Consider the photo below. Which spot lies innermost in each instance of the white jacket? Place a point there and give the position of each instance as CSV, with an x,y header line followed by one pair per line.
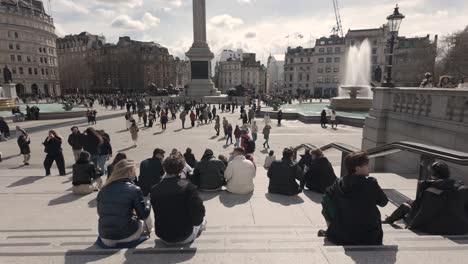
x,y
268,160
239,175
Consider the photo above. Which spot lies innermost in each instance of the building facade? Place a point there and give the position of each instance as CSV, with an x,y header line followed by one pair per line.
x,y
72,51
28,47
299,69
413,57
275,75
231,55
330,58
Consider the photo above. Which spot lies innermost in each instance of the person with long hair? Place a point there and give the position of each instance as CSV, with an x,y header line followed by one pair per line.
x,y
92,140
124,215
120,156
134,133
53,148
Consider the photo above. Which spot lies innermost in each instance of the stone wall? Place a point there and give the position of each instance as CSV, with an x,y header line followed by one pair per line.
x,y
436,117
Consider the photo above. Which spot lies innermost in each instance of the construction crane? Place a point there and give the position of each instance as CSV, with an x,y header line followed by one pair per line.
x,y
338,29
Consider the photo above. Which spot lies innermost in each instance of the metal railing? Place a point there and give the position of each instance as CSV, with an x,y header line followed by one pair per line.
x,y
428,154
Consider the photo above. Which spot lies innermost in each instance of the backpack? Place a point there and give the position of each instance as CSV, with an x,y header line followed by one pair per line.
x,y
250,146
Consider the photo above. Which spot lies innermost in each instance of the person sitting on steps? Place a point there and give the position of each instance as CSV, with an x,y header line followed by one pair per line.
x,y
208,174
284,174
86,178
439,208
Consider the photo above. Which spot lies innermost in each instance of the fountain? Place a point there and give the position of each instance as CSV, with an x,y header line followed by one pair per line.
x,y
355,93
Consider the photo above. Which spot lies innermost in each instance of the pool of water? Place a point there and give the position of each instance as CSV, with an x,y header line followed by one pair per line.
x,y
45,108
314,109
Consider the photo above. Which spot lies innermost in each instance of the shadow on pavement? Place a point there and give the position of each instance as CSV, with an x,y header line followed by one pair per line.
x,y
93,203
284,199
370,254
88,255
125,149
25,181
206,196
159,255
67,198
230,200
313,196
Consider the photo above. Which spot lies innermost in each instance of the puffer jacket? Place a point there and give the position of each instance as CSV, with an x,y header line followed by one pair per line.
x,y
75,141
151,171
209,173
320,175
83,172
115,205
358,220
283,175
239,175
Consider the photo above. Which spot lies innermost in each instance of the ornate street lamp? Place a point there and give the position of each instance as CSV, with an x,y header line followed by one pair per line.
x,y
394,22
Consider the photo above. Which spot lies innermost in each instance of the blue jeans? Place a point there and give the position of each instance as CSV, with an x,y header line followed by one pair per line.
x,y
254,137
101,163
237,142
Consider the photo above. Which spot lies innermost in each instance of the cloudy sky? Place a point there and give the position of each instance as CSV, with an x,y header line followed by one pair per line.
x,y
255,25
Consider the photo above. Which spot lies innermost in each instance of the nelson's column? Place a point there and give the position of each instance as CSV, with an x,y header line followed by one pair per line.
x,y
200,56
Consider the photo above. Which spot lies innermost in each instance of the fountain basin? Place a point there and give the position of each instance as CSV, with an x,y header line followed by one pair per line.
x,y
349,104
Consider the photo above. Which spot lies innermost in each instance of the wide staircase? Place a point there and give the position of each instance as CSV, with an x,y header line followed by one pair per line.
x,y
42,222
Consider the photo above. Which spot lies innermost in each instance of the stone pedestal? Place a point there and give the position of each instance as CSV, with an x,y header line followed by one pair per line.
x,y
7,96
200,56
10,90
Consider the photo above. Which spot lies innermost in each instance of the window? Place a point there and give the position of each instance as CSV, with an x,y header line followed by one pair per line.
x,y
41,59
16,34
337,59
320,79
374,42
308,77
12,58
307,85
329,49
47,73
18,57
30,70
336,69
42,71
329,60
328,69
374,51
320,60
11,46
321,50
300,77
28,59
322,42
21,70
9,34
290,77
302,59
308,67
327,80
291,60
18,46
308,59
374,59
13,70
337,49
291,69
336,79
320,70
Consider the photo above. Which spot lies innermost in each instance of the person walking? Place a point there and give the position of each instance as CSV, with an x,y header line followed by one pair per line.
x,y
53,148
23,143
266,136
164,120
92,140
217,125
323,119
254,131
145,118
182,116
279,117
228,133
225,124
333,119
251,115
193,118
75,140
105,152
134,133
237,135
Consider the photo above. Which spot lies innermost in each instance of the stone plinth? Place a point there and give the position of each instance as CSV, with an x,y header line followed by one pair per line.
x,y
437,117
7,96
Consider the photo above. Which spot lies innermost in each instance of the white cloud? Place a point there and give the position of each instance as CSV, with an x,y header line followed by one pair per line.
x,y
245,1
250,34
126,22
69,5
225,21
129,3
107,13
176,3
150,20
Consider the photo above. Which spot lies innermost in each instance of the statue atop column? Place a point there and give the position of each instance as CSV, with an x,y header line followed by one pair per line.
x,y
7,76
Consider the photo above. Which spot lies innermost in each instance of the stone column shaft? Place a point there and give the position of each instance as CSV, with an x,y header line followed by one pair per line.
x,y
199,21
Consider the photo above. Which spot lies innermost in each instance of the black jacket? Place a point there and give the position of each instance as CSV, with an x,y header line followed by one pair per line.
x,y
190,159
440,209
76,141
357,220
53,146
151,171
91,144
105,148
83,172
4,128
320,175
116,204
177,209
283,175
209,173
24,146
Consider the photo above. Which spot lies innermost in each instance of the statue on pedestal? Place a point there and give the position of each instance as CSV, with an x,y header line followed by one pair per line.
x,y
7,77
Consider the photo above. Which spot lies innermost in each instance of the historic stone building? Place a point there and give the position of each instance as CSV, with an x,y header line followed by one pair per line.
x,y
28,48
299,69
275,75
412,58
72,51
329,57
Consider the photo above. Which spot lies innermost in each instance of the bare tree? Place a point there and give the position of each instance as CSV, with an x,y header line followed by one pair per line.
x,y
453,55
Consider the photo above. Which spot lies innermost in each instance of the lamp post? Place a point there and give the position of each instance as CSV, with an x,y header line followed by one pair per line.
x,y
394,22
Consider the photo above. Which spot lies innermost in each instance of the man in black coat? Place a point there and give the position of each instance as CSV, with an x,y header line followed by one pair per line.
x,y
178,209
209,172
355,218
4,128
319,172
283,175
151,171
75,140
439,208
